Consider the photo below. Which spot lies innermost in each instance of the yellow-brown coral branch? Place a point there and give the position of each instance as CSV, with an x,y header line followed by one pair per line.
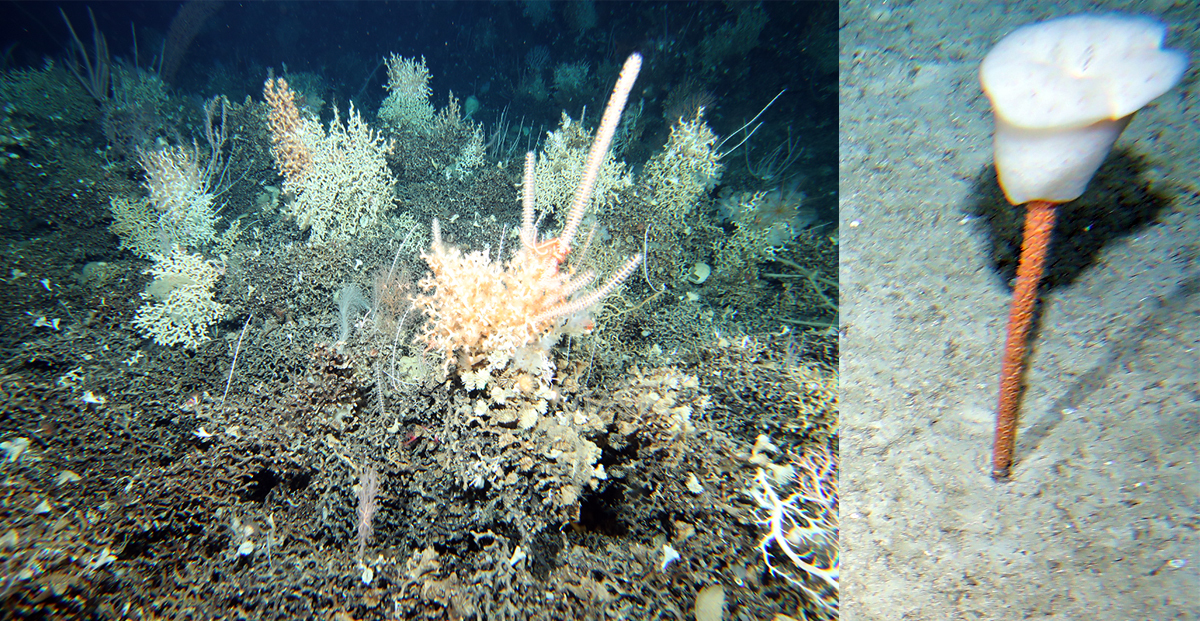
x,y
291,155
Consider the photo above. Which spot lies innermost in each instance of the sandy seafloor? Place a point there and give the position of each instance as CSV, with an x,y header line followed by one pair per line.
x,y
1100,518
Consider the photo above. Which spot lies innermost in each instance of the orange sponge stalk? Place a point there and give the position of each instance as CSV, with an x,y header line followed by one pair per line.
x,y
1039,222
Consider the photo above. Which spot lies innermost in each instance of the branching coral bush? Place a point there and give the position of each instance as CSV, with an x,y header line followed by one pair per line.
x,y
135,223
407,106
338,179
561,165
181,187
180,308
687,168
183,183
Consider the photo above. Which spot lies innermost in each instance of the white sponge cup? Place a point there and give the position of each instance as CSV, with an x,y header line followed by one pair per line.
x,y
1063,90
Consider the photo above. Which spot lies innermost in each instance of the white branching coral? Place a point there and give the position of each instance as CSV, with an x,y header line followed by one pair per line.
x,y
408,107
482,308
180,208
798,511
687,168
349,184
339,180
471,157
135,223
180,308
183,183
561,165
180,187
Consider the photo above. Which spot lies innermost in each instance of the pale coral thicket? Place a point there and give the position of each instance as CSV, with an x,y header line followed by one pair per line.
x,y
337,180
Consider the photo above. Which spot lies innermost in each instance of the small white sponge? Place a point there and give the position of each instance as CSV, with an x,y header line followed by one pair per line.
x,y
1063,90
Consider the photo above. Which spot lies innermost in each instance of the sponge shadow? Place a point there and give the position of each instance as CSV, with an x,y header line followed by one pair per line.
x,y
1119,201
